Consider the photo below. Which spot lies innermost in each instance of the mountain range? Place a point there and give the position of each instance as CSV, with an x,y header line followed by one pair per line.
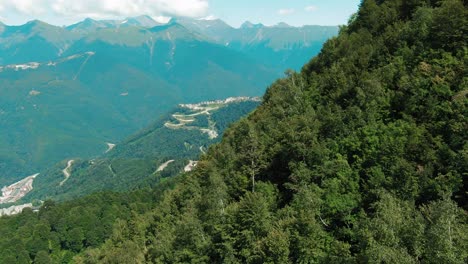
x,y
67,91
54,41
361,157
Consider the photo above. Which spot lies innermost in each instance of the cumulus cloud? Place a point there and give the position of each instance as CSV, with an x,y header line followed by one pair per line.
x,y
286,11
106,8
23,6
311,8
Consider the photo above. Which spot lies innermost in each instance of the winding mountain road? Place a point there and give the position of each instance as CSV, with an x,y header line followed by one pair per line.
x,y
66,172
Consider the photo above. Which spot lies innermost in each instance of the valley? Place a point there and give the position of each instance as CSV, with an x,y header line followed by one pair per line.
x,y
170,146
101,81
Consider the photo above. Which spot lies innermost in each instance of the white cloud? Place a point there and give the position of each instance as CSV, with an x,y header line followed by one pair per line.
x,y
105,8
311,8
286,11
23,6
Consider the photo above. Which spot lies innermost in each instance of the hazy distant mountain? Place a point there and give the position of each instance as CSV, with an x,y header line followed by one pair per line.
x,y
142,21
66,91
33,41
278,37
217,30
89,25
283,25
250,25
281,46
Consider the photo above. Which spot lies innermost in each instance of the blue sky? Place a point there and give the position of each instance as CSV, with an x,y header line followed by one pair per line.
x,y
234,12
294,12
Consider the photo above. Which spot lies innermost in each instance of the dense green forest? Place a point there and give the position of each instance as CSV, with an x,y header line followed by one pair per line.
x,y
362,157
66,229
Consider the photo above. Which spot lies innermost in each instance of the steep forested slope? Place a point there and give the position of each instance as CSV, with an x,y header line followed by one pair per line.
x,y
361,157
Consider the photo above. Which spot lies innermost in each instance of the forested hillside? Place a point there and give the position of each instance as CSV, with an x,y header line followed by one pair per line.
x,y
137,161
362,157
